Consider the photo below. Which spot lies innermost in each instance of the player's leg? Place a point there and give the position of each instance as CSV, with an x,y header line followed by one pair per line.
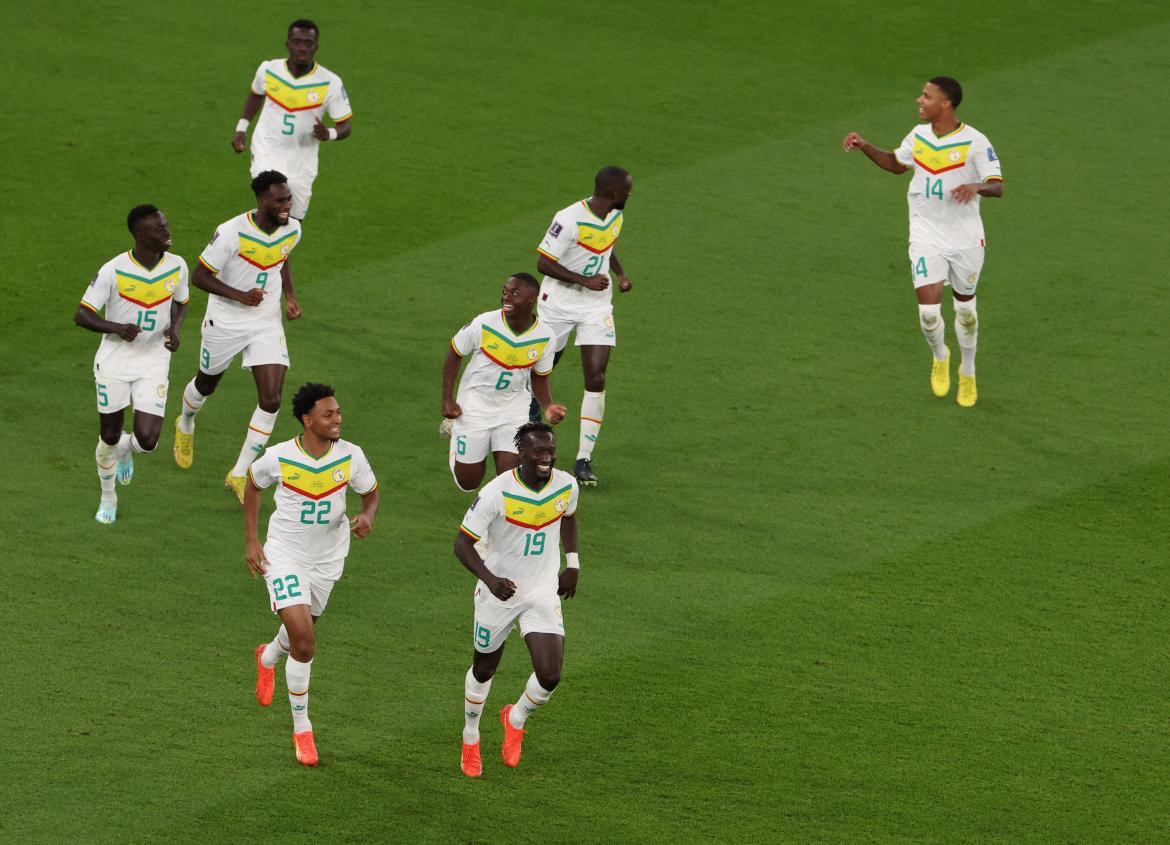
x,y
504,446
594,360
291,594
493,620
966,267
929,272
543,628
217,349
468,455
112,399
560,328
269,380
149,396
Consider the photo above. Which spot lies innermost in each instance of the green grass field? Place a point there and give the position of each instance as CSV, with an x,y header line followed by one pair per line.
x,y
817,604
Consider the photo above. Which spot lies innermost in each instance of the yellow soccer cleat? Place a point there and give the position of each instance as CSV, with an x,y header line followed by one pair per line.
x,y
967,392
184,447
235,483
940,376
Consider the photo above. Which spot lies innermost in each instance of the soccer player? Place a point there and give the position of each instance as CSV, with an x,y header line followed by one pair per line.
x,y
575,295
524,515
508,349
144,293
954,165
294,92
238,268
308,539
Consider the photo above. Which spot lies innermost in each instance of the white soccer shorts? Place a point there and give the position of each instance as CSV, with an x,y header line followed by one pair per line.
x,y
148,395
292,582
260,344
537,613
958,268
595,328
470,442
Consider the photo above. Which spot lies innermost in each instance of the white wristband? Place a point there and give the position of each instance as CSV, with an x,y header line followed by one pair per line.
x,y
242,126
572,561
332,133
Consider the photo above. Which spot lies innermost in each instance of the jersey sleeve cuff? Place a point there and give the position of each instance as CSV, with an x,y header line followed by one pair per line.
x,y
343,119
85,304
539,373
252,479
371,490
993,179
208,266
455,348
548,255
469,533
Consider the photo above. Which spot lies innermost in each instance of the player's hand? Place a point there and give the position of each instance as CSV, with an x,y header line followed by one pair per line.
x,y
624,283
501,588
291,309
965,193
555,413
319,130
251,297
128,331
238,141
853,141
254,555
360,527
598,282
172,339
567,584
451,410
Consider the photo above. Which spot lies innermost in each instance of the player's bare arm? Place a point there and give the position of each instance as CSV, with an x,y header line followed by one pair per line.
x,y
203,279
555,270
542,390
362,524
291,309
251,106
321,131
178,315
502,588
966,193
451,409
89,320
885,159
567,580
624,283
253,549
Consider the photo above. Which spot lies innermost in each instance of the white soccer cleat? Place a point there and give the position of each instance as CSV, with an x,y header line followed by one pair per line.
x,y
107,513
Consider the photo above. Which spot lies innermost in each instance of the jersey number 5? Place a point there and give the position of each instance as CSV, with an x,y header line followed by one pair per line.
x,y
290,125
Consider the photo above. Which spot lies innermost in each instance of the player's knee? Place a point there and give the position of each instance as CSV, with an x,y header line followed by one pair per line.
x,y
548,678
965,313
147,441
483,673
929,316
269,402
595,382
303,645
205,384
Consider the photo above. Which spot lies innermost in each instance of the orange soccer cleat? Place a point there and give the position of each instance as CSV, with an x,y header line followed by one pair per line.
x,y
306,748
472,765
513,739
265,678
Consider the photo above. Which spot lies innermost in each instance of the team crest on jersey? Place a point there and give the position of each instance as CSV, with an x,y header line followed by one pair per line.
x,y
170,285
313,97
339,475
162,391
560,505
532,353
955,155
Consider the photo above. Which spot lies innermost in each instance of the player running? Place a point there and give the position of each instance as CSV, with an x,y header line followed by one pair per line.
x,y
575,257
524,515
294,92
239,268
144,293
954,165
308,539
508,349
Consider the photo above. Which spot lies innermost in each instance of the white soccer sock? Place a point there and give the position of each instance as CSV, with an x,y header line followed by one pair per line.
x,y
296,678
192,401
933,329
137,447
259,429
967,331
123,446
535,696
474,695
107,460
592,413
276,649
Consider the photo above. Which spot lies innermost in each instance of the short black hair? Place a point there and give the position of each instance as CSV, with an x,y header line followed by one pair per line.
x,y
527,278
266,180
531,428
609,179
308,396
950,88
304,23
139,212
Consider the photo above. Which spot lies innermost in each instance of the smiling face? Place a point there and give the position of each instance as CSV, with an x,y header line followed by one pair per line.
x,y
324,419
518,298
275,203
152,234
538,454
932,103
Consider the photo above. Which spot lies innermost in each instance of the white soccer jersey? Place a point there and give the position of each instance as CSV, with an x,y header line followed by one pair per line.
x,y
940,165
495,386
522,527
131,293
292,105
244,256
579,241
309,523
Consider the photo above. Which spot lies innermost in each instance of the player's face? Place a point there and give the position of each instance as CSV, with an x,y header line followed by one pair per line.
x,y
623,193
538,452
518,298
324,420
931,102
302,46
153,233
276,203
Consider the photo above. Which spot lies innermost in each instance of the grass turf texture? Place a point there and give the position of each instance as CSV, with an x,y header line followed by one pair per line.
x,y
817,604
